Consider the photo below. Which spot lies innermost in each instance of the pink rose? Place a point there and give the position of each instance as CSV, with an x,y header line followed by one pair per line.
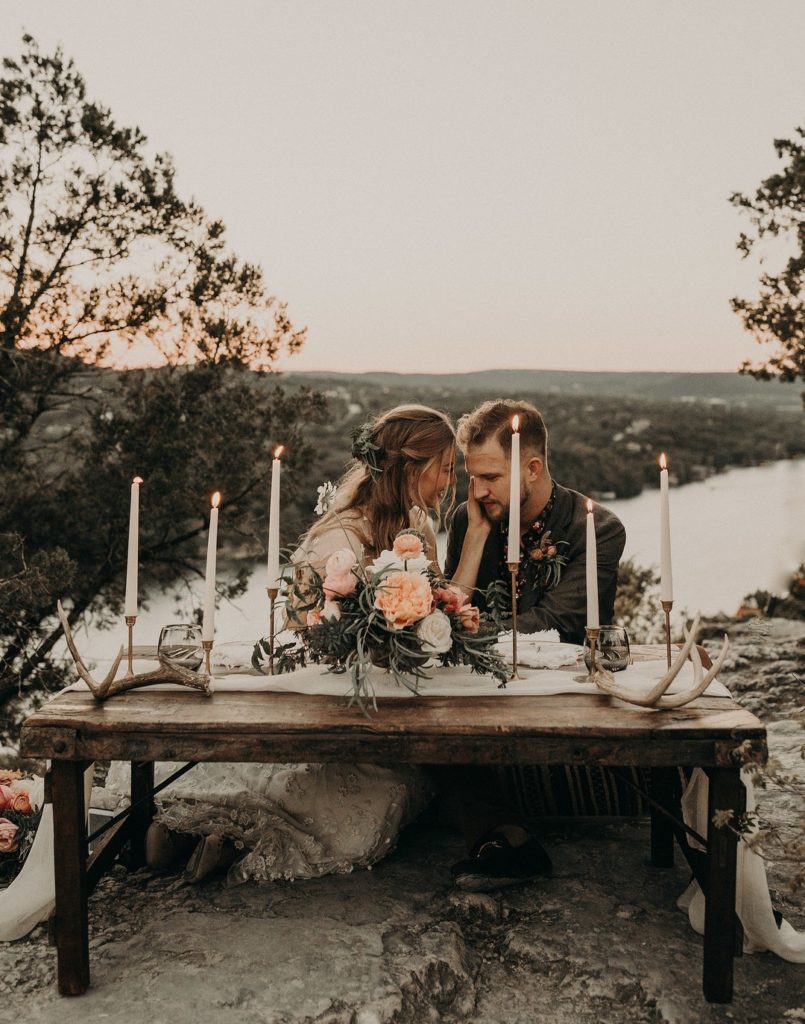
x,y
404,598
6,797
407,545
470,618
8,836
452,597
340,563
339,584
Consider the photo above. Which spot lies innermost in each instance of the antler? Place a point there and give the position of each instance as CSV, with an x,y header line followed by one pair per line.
x,y
109,686
656,696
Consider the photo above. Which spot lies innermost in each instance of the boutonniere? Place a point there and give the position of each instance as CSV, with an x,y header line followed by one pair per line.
x,y
545,562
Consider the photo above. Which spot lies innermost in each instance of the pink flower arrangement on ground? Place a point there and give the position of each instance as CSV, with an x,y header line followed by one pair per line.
x,y
19,818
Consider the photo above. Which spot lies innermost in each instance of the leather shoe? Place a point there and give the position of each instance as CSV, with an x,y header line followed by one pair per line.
x,y
494,863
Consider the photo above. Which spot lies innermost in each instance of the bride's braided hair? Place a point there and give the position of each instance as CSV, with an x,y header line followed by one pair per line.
x,y
391,453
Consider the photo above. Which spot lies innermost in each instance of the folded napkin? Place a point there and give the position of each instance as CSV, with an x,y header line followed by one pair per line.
x,y
539,650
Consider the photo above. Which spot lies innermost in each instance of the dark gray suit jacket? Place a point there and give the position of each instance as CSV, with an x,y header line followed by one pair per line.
x,y
565,607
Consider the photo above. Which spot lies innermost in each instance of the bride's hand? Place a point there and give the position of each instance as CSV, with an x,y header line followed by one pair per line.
x,y
420,520
477,520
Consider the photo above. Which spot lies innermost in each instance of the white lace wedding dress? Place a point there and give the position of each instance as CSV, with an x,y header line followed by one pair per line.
x,y
299,820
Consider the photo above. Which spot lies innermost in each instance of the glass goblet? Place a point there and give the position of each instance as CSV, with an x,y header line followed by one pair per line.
x,y
612,649
180,644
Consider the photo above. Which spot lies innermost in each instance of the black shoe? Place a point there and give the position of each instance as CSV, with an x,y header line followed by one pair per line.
x,y
494,863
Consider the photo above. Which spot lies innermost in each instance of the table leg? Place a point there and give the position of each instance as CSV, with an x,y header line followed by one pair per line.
x,y
726,792
663,790
70,853
142,810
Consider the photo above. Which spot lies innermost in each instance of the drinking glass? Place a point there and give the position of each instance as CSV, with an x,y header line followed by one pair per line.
x,y
612,649
181,645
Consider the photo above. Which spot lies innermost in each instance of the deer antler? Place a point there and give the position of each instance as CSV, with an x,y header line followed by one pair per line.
x,y
109,686
656,696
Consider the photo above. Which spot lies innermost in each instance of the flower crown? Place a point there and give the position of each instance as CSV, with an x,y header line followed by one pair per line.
x,y
365,450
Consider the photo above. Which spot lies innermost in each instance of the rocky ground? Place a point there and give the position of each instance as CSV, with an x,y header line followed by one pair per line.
x,y
602,941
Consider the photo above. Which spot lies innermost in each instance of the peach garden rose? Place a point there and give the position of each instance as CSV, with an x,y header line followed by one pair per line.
x,y
404,598
6,797
407,545
21,802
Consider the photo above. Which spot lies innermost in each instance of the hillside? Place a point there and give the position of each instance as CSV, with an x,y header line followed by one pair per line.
x,y
714,388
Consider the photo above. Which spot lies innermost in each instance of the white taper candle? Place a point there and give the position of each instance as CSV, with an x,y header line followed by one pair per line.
x,y
208,625
130,606
666,574
592,570
272,575
514,495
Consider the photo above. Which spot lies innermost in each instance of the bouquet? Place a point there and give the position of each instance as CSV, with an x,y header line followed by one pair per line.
x,y
19,818
396,613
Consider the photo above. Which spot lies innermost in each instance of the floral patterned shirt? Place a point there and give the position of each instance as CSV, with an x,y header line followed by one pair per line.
x,y
527,574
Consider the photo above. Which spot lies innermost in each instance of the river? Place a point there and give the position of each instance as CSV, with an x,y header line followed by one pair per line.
x,y
732,534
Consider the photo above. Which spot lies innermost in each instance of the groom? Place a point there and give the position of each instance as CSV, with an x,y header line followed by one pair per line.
x,y
551,594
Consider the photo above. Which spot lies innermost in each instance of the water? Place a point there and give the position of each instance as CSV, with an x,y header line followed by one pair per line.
x,y
732,534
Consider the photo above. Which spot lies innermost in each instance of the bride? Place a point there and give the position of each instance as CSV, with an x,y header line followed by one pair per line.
x,y
300,821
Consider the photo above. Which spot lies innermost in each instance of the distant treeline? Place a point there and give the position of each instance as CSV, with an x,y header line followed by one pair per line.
x,y
603,446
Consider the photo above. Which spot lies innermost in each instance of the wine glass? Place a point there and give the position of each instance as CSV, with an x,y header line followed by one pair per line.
x,y
612,648
180,644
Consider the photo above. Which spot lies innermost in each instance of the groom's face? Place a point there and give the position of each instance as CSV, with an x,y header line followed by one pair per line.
x,y
489,464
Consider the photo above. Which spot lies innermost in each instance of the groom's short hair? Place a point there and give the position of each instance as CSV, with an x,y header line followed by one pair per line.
x,y
493,419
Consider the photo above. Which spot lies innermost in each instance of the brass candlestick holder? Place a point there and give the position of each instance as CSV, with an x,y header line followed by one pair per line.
x,y
592,635
272,600
513,569
130,620
207,648
666,607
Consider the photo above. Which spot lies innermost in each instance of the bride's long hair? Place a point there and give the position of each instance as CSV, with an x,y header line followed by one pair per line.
x,y
384,484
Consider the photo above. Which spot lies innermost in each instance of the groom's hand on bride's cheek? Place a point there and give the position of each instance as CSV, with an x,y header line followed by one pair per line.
x,y
476,513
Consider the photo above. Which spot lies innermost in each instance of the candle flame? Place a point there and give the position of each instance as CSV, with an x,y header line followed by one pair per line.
x,y
516,424
663,461
137,480
589,504
278,451
216,499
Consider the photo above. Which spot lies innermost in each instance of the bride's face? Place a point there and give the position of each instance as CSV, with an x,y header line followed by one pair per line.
x,y
437,478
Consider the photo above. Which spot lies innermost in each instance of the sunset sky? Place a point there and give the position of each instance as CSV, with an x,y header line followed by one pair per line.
x,y
439,186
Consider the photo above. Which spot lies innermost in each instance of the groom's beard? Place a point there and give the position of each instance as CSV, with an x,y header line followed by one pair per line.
x,y
498,513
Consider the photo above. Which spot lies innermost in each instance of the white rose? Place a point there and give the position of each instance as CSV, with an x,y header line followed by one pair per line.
x,y
340,562
331,611
435,633
388,561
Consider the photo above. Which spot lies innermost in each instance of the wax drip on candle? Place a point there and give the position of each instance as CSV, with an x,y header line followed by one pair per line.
x,y
273,564
513,547
208,621
666,572
591,568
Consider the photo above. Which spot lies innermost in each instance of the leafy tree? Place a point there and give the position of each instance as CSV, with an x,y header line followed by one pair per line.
x,y
101,260
777,316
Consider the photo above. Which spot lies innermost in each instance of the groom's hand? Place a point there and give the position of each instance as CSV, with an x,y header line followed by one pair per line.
x,y
477,520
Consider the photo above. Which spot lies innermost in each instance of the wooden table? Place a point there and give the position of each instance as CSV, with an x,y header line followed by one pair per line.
x,y
147,726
